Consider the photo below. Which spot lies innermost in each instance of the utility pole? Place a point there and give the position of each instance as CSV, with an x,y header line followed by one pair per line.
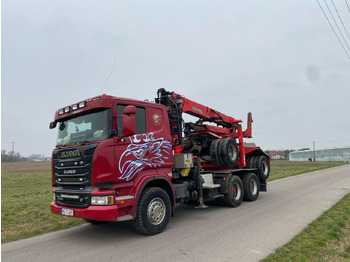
x,y
314,152
13,149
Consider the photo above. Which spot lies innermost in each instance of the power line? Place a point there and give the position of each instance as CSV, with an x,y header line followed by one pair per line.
x,y
347,5
341,20
340,140
336,24
334,30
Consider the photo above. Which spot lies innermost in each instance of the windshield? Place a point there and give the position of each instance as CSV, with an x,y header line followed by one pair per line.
x,y
82,129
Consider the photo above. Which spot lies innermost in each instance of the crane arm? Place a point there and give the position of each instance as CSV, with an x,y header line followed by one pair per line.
x,y
204,113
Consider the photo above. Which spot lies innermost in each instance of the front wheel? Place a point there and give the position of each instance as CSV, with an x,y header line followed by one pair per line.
x,y
235,192
153,213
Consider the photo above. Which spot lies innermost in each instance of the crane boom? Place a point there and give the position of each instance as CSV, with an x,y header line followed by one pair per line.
x,y
205,113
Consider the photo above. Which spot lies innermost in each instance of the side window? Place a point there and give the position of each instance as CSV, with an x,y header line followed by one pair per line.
x,y
140,119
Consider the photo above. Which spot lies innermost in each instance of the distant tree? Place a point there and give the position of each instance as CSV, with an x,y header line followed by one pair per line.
x,y
286,153
11,156
36,157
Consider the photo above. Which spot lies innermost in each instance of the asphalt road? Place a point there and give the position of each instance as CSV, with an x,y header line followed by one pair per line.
x,y
247,233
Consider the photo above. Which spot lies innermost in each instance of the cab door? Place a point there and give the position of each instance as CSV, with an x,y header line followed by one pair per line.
x,y
149,149
128,152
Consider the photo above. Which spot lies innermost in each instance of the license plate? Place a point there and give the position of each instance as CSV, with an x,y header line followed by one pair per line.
x,y
67,212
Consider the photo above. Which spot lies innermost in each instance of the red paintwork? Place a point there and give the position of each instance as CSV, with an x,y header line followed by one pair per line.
x,y
100,213
146,177
103,162
102,101
192,108
248,132
52,177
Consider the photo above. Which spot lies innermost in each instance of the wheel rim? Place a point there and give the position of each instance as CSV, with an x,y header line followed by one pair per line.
x,y
232,152
236,191
253,187
156,211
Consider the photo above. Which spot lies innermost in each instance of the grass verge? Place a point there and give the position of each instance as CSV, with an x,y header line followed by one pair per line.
x,y
325,239
25,202
283,168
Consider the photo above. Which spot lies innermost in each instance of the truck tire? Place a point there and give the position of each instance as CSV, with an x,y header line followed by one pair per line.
x,y
250,162
153,213
235,192
214,152
229,153
263,167
251,186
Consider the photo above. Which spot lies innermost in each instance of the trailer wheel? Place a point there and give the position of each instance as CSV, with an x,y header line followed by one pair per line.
x,y
214,152
250,162
153,211
229,152
263,167
251,187
235,192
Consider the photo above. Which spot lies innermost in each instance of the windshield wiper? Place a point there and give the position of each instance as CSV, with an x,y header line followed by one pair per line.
x,y
81,142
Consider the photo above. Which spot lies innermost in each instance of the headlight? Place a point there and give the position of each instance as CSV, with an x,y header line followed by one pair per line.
x,y
102,200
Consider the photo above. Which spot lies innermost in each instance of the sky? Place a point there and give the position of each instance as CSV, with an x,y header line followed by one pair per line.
x,y
279,60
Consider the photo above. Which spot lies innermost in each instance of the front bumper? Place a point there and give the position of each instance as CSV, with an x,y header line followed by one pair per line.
x,y
99,213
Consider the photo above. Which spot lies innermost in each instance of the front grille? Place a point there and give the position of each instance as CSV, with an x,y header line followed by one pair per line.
x,y
73,197
73,166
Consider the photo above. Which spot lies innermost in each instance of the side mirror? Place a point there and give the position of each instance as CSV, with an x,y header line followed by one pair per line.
x,y
130,110
128,121
53,125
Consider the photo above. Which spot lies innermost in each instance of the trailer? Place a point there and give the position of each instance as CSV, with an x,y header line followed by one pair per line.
x,y
119,159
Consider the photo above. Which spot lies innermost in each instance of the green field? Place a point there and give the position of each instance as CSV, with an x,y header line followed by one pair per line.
x,y
25,202
27,193
283,168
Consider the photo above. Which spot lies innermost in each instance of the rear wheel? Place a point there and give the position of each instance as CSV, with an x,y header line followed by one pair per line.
x,y
250,162
263,167
251,187
234,196
153,213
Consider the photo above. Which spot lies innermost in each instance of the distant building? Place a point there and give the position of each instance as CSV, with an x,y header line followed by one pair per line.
x,y
276,155
337,154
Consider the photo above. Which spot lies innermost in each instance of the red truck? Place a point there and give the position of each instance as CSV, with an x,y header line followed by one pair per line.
x,y
119,159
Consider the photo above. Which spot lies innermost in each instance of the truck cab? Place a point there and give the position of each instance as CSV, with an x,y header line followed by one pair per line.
x,y
102,146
